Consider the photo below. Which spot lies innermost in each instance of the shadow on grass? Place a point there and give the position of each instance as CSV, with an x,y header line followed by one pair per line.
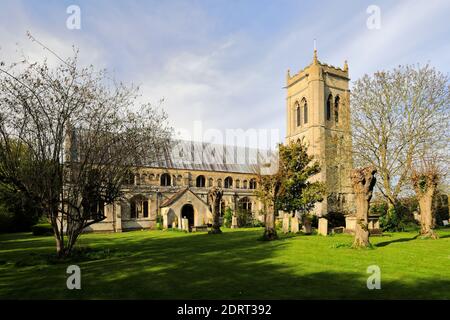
x,y
383,244
233,265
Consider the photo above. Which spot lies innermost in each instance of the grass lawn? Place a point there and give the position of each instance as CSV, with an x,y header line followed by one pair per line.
x,y
234,265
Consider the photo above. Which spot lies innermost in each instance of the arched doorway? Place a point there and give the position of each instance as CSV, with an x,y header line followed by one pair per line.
x,y
188,212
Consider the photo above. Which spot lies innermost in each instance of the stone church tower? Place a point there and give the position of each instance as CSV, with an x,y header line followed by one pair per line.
x,y
318,112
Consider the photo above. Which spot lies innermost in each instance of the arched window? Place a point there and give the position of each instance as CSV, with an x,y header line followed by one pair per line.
x,y
305,111
245,184
336,109
165,180
200,183
210,182
145,208
238,184
228,183
219,183
297,112
252,184
329,102
138,207
245,204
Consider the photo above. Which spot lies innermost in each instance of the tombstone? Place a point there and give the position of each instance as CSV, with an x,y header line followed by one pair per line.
x,y
175,224
323,226
286,223
234,223
445,223
307,227
185,224
350,223
295,224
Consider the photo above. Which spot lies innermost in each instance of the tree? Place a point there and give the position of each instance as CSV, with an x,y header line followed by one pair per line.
x,y
298,190
291,188
363,182
215,199
425,181
268,192
84,134
17,211
398,117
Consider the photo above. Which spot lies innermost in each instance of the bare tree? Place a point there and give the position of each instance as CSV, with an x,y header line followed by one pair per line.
x,y
425,181
398,116
363,181
214,199
83,134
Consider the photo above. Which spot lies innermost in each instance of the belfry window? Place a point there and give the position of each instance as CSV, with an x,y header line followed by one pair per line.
x,y
297,112
329,102
305,111
336,109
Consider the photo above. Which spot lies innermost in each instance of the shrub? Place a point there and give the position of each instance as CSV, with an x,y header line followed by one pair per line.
x,y
397,219
257,223
244,218
43,229
441,209
227,217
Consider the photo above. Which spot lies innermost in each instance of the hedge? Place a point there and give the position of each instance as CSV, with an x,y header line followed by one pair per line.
x,y
43,229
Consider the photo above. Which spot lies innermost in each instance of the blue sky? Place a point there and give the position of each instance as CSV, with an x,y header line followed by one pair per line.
x,y
225,62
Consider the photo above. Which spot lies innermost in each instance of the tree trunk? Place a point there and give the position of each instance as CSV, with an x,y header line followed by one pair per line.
x,y
362,223
215,199
363,181
425,182
426,215
270,232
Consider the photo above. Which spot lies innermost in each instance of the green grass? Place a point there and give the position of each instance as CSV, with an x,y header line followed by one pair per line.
x,y
233,265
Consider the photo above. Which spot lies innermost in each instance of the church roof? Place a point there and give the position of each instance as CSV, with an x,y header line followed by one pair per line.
x,y
204,156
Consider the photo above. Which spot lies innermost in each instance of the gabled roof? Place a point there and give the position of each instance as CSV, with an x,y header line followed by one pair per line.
x,y
177,196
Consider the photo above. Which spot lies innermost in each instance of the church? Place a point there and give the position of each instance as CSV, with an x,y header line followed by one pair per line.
x,y
317,112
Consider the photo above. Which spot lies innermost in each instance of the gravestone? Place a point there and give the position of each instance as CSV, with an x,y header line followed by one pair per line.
x,y
350,223
185,224
286,223
307,227
234,223
323,226
295,224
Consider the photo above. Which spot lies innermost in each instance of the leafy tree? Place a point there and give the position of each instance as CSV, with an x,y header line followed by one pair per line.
x,y
292,187
298,192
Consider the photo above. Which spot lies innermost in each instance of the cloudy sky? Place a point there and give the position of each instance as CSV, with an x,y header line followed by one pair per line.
x,y
224,62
